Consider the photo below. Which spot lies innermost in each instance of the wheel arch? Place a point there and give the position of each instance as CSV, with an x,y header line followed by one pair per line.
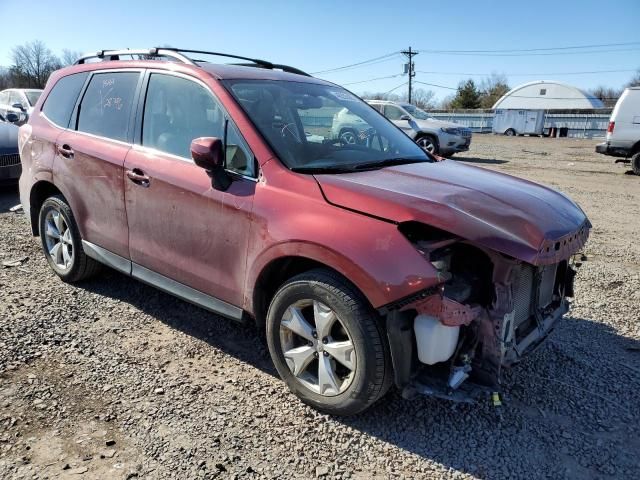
x,y
40,191
272,271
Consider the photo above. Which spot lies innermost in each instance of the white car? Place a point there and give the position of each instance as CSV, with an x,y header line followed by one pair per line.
x,y
19,101
435,136
623,134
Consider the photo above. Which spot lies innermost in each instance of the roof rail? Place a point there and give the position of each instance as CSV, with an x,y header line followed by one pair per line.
x,y
177,53
255,62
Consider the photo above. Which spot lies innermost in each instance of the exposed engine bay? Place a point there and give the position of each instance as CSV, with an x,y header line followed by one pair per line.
x,y
488,311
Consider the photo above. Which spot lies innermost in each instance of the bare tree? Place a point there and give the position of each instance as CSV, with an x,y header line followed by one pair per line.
x,y
445,103
607,95
69,57
422,98
33,62
635,80
5,78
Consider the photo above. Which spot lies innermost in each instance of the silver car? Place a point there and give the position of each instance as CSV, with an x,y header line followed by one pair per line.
x,y
435,136
19,101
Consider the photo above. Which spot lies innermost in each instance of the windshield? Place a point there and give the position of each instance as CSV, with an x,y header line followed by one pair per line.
x,y
417,112
314,127
33,96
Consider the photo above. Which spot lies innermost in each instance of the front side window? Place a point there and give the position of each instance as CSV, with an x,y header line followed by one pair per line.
x,y
105,109
176,111
237,156
393,112
316,127
59,104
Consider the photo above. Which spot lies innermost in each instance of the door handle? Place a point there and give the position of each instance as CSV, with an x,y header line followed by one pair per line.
x,y
65,150
138,177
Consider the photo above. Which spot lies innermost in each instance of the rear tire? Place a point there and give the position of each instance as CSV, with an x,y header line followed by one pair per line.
x,y
510,132
61,241
635,163
337,357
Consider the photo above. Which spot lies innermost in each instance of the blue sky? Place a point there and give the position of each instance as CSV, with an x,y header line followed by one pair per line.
x,y
321,35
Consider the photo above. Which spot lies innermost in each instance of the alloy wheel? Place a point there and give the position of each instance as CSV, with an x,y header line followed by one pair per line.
x,y
58,240
427,144
317,347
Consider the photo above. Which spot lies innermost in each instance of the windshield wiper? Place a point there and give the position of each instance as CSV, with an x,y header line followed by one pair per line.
x,y
331,169
389,162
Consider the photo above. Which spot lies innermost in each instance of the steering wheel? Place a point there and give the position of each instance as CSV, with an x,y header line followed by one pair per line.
x,y
289,129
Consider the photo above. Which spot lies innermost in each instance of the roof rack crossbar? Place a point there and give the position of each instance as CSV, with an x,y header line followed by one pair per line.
x,y
178,54
151,52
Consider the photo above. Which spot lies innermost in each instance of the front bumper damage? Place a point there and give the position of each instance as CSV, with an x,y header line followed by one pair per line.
x,y
526,303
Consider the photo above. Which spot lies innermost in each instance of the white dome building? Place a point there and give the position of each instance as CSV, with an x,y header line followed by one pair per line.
x,y
547,95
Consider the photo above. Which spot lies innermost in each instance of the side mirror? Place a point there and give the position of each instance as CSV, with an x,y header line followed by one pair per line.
x,y
207,153
19,106
13,117
405,117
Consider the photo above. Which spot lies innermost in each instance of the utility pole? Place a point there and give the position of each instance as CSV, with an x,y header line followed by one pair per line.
x,y
410,67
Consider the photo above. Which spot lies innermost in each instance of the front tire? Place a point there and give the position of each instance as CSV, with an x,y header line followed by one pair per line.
x,y
328,344
510,132
61,241
428,143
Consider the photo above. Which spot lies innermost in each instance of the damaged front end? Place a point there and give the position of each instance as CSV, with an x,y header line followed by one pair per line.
x,y
487,311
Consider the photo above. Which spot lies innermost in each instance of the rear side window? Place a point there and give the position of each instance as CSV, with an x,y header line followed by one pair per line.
x,y
176,111
105,109
62,98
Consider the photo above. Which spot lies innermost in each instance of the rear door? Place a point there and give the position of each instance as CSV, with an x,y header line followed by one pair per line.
x,y
90,157
180,228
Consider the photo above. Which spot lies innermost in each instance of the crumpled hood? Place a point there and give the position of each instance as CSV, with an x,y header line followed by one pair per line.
x,y
8,138
522,219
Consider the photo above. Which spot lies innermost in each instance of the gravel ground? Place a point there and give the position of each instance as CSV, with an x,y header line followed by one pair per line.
x,y
113,379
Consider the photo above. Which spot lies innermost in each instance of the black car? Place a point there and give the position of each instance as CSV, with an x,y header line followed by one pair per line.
x,y
10,166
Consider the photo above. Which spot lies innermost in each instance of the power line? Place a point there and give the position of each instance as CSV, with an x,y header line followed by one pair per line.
x,y
523,54
518,50
364,62
395,88
527,74
436,85
372,79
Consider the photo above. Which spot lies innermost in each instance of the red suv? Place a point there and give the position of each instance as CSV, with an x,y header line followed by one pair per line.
x,y
366,263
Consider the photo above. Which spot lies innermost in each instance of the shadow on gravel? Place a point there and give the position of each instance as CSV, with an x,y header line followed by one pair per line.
x,y
9,197
569,408
486,161
241,341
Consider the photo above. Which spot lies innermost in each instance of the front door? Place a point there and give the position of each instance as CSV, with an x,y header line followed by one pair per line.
x,y
179,226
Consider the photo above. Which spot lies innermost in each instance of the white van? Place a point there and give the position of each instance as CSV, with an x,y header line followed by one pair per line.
x,y
623,134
